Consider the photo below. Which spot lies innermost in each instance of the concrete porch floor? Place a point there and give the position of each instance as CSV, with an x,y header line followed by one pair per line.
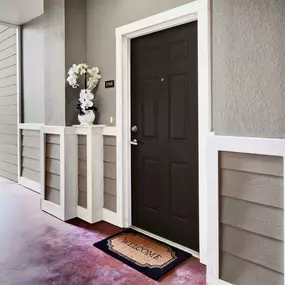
x,y
38,249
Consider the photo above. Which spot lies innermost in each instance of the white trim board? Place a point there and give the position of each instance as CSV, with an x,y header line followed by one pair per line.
x,y
30,184
35,186
215,144
198,10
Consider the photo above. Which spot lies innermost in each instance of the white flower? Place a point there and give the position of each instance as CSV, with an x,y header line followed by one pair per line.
x,y
72,81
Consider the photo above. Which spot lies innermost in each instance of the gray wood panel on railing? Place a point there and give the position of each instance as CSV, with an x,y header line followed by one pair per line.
x,y
52,168
31,155
109,157
82,171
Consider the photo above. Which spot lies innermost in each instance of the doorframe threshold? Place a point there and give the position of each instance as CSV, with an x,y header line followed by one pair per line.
x,y
171,243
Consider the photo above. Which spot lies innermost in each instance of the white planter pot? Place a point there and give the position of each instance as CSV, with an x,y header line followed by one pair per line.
x,y
87,119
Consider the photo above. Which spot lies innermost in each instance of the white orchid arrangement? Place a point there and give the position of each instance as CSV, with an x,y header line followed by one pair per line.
x,y
91,80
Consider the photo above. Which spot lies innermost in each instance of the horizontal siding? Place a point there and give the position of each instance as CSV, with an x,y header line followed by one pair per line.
x,y
82,171
31,155
82,153
82,199
252,247
110,202
7,34
12,60
52,166
31,174
31,133
8,71
109,141
8,91
31,152
8,104
30,167
10,139
8,175
251,219
8,157
110,154
109,157
11,41
264,164
53,139
52,195
110,186
8,120
52,151
110,170
257,188
31,164
237,271
82,183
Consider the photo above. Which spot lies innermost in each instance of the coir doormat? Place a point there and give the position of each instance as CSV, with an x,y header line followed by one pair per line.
x,y
147,255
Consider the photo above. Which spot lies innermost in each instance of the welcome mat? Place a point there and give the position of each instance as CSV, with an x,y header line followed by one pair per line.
x,y
147,255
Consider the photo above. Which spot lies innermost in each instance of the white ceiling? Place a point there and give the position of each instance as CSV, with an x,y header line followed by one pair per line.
x,y
18,12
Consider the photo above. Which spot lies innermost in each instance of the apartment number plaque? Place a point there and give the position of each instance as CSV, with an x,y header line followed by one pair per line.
x,y
110,84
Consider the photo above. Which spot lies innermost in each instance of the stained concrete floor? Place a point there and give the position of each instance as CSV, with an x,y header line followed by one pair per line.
x,y
38,249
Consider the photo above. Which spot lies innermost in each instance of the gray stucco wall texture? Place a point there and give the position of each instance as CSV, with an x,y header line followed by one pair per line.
x,y
248,62
249,67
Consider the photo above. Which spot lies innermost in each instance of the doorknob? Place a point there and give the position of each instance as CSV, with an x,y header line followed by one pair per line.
x,y
134,142
134,129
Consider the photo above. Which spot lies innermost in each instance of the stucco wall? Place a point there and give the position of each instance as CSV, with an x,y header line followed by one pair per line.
x,y
51,44
103,17
249,67
33,71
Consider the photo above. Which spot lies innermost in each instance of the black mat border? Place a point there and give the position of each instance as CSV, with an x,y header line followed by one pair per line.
x,y
153,273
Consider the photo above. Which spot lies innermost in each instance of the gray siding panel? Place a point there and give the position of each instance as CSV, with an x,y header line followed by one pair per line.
x,y
109,157
255,248
82,199
82,171
267,221
52,195
110,154
251,219
110,202
257,188
31,155
110,186
8,91
31,174
12,60
238,271
8,104
110,170
31,133
264,164
52,163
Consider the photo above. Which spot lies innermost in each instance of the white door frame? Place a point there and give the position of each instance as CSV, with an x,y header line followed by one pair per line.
x,y
198,10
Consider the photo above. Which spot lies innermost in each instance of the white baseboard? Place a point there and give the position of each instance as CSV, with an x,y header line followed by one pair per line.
x,y
164,240
111,217
35,186
83,214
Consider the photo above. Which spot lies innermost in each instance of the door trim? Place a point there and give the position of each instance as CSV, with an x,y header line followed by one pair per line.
x,y
195,11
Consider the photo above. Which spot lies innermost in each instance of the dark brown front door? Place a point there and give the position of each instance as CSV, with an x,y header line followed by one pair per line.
x,y
165,111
